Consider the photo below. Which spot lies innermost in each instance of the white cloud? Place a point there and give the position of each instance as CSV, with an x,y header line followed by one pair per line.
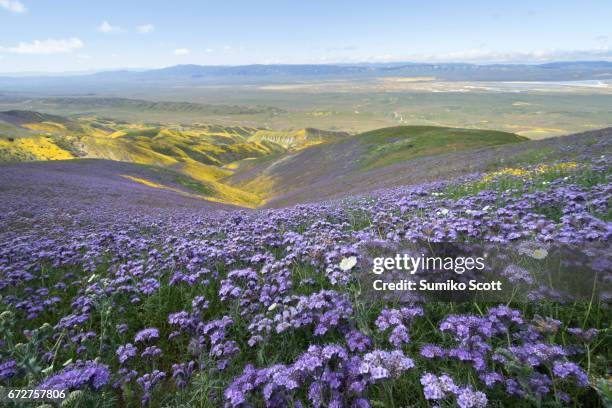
x,y
145,28
535,56
181,51
13,5
45,47
209,50
106,28
484,56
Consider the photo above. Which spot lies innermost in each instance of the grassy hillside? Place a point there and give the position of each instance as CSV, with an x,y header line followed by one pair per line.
x,y
177,144
26,117
383,147
360,154
237,165
100,104
194,154
139,110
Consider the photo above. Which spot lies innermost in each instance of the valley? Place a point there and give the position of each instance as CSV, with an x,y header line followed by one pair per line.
x,y
234,165
537,101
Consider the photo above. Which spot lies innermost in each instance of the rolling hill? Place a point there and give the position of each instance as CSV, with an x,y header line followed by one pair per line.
x,y
107,187
156,188
100,105
440,167
252,167
203,154
360,154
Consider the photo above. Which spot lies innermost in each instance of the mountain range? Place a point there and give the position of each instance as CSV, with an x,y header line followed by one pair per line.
x,y
556,71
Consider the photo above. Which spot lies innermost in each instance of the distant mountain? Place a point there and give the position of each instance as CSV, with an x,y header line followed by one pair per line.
x,y
190,74
577,65
200,71
447,71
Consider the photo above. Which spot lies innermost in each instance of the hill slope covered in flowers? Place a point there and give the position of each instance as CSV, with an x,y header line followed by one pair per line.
x,y
126,302
235,165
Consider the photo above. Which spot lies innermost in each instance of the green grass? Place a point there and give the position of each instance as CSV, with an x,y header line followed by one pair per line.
x,y
195,186
147,133
583,175
387,146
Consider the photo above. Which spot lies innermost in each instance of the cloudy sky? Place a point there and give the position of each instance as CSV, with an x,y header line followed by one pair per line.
x,y
77,35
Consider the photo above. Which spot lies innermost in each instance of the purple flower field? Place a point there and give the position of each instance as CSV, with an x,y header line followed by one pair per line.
x,y
128,302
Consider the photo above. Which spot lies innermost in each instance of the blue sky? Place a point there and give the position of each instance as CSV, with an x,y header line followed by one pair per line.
x,y
54,36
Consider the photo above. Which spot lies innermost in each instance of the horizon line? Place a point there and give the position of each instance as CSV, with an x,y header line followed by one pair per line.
x,y
144,69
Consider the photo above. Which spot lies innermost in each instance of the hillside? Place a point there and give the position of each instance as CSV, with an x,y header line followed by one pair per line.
x,y
87,178
203,153
305,176
449,165
101,105
359,155
100,137
105,187
298,139
24,117
252,167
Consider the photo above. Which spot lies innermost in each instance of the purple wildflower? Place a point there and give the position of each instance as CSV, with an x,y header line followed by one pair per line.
x,y
126,352
357,341
77,376
146,335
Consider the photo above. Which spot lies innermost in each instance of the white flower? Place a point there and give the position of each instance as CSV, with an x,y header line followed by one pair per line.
x,y
486,208
348,263
443,211
272,307
540,253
